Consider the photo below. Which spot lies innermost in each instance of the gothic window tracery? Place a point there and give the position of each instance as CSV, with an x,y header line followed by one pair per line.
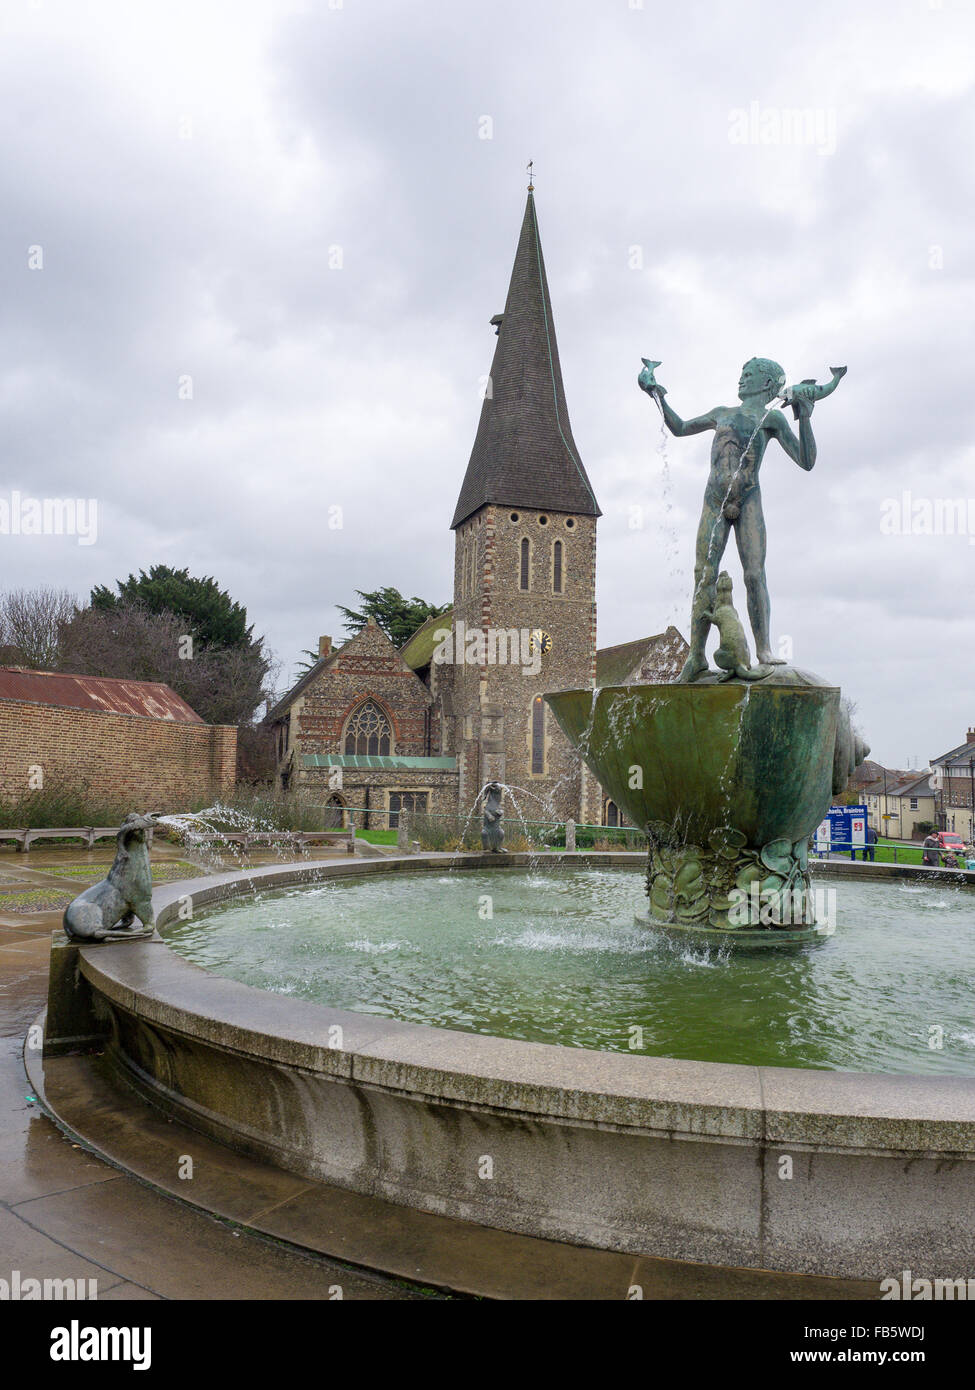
x,y
367,731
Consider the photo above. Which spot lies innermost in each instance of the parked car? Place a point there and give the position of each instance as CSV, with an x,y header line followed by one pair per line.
x,y
954,848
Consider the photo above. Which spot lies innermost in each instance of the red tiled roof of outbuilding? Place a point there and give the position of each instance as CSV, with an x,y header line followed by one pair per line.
x,y
151,699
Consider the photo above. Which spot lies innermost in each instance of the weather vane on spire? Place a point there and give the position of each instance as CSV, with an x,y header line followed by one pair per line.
x,y
531,176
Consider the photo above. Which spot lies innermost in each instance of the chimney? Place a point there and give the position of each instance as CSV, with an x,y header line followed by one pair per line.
x,y
970,738
324,646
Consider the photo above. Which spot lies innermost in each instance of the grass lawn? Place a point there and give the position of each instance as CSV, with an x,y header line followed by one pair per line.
x,y
892,852
906,854
377,837
163,872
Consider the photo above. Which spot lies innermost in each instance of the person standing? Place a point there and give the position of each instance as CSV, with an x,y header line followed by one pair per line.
x,y
869,849
931,857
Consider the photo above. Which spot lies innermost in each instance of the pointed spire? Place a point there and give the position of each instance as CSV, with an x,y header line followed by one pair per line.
x,y
524,454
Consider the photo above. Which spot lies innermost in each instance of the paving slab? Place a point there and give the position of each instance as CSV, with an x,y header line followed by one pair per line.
x,y
153,1241
27,1248
135,1242
125,1292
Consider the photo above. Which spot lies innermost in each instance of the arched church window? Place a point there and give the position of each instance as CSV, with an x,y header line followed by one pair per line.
x,y
538,735
612,813
524,577
367,731
557,567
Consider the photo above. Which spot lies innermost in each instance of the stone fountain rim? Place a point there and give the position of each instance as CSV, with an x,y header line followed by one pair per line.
x,y
831,1111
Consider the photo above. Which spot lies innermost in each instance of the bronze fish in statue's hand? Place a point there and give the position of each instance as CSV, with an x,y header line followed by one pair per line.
x,y
646,380
810,391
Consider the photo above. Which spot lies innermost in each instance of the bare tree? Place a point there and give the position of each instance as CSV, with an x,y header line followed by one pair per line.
x,y
31,621
225,685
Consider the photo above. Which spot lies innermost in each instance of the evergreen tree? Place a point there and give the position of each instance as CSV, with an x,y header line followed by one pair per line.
x,y
211,615
398,617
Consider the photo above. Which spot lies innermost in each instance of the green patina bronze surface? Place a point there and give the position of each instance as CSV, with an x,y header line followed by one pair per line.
x,y
732,495
686,759
729,780
728,772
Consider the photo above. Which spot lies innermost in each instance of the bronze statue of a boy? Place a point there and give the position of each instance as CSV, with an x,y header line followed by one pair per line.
x,y
732,497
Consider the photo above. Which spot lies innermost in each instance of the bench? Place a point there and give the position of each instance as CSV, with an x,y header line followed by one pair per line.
x,y
89,833
330,837
246,838
25,837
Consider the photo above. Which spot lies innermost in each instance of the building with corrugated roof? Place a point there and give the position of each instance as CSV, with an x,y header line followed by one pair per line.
x,y
132,741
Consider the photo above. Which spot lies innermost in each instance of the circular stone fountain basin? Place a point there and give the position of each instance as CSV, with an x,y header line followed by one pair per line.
x,y
624,1151
554,955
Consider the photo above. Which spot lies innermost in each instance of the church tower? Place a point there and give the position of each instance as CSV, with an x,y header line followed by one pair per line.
x,y
524,565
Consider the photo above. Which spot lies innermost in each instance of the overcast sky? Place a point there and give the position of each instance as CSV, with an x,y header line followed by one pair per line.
x,y
310,211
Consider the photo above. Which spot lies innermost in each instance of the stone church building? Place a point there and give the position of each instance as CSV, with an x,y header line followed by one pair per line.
x,y
423,728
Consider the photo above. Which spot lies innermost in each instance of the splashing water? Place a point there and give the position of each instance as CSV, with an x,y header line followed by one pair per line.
x,y
203,833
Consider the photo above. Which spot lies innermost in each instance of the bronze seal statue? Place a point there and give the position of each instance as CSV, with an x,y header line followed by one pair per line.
x,y
107,910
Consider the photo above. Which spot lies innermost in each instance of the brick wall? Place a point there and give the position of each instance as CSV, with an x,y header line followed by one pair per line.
x,y
156,764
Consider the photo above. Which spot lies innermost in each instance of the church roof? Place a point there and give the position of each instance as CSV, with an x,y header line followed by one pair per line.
x,y
370,630
524,454
650,660
418,650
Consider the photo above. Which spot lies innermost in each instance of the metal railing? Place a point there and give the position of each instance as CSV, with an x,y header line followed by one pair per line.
x,y
879,852
549,832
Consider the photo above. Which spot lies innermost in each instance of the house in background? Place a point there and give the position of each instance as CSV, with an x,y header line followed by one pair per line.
x,y
954,779
897,806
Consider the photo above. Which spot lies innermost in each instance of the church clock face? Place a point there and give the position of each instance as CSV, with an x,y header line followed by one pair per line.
x,y
541,640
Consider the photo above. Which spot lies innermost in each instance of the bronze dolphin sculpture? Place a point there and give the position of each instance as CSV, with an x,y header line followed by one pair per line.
x,y
810,390
646,379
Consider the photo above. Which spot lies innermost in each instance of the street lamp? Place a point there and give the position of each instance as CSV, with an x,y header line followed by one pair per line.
x,y
971,818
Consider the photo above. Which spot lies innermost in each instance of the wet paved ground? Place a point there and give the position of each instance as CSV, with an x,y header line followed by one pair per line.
x,y
67,1215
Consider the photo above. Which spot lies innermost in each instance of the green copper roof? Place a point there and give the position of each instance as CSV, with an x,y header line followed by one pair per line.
x,y
418,651
377,764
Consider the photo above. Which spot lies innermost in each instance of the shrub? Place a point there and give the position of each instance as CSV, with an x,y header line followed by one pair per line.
x,y
62,801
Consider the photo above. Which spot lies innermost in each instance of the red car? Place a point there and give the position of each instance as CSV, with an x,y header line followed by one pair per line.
x,y
952,843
